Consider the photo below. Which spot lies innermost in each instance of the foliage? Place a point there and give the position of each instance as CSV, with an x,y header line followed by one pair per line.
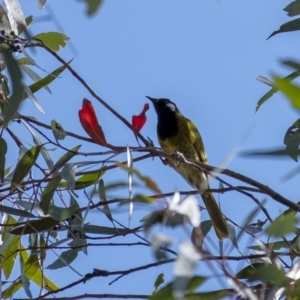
x,y
40,197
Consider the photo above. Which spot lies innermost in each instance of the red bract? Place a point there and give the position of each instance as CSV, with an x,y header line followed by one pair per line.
x,y
139,121
89,122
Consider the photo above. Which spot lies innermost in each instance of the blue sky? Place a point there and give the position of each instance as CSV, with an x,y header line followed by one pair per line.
x,y
203,55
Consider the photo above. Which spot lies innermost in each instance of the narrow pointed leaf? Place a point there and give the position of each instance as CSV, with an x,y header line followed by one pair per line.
x,y
62,213
66,157
47,80
24,166
33,75
290,90
35,226
30,95
101,230
283,225
159,281
17,88
38,142
274,90
24,279
65,259
3,150
9,251
102,198
84,181
48,193
292,140
287,27
15,211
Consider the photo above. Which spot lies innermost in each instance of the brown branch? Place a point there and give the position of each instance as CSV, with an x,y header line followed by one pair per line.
x,y
103,273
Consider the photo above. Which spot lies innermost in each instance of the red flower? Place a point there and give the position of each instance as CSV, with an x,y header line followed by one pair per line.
x,y
89,122
139,121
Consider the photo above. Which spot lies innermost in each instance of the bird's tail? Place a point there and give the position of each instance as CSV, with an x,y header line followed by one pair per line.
x,y
216,216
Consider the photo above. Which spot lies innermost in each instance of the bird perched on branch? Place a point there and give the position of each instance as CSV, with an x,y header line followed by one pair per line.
x,y
176,132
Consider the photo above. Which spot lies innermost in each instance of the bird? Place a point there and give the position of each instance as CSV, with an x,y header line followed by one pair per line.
x,y
178,133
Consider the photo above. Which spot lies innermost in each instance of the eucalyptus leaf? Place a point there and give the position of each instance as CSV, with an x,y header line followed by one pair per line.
x,y
3,150
47,80
287,27
17,87
65,158
48,193
34,226
65,259
24,166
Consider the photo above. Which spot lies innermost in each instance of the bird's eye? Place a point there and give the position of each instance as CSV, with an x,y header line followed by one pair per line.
x,y
171,106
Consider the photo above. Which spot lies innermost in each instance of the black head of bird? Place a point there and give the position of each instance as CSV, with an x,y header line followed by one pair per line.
x,y
167,117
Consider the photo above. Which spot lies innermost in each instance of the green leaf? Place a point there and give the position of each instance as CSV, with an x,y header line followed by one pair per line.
x,y
15,98
159,281
147,180
205,227
30,73
9,253
3,150
14,287
77,220
66,157
35,226
246,272
274,90
92,6
48,193
286,27
85,180
62,213
290,90
283,225
53,40
65,259
39,278
24,166
24,61
276,152
94,229
269,274
152,219
293,290
166,293
32,264
214,295
21,27
38,142
15,211
273,246
47,80
292,140
102,198
293,9
57,130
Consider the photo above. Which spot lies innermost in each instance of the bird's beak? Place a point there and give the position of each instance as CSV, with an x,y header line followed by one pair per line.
x,y
153,100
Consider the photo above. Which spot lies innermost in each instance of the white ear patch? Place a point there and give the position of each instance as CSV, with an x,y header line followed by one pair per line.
x,y
171,106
